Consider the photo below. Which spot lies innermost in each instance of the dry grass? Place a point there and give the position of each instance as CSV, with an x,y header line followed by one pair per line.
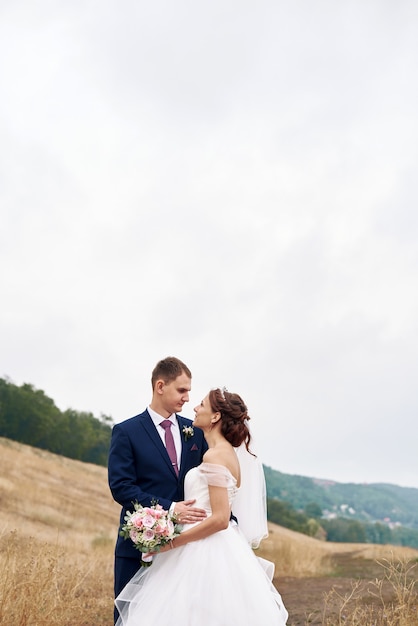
x,y
389,598
299,555
57,529
295,554
43,583
392,599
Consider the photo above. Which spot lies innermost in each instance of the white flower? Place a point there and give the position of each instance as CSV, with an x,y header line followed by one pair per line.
x,y
188,432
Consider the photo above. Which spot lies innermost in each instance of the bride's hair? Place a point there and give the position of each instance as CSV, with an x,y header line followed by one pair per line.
x,y
234,416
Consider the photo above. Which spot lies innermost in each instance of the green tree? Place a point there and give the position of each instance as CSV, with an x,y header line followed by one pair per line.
x,y
344,530
284,514
313,510
28,415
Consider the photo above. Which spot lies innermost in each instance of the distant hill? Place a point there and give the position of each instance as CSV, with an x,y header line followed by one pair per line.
x,y
378,502
29,416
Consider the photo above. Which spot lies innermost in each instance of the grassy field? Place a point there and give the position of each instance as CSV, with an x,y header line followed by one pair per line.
x,y
336,584
58,524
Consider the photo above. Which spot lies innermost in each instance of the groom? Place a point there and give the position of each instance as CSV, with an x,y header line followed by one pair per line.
x,y
148,461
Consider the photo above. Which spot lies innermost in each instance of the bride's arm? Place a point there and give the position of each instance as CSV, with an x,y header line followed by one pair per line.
x,y
219,520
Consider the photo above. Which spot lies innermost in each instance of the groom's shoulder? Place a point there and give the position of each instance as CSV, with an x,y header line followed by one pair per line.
x,y
132,422
184,420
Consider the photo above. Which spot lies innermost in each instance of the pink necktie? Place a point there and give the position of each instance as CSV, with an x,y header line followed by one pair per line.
x,y
169,444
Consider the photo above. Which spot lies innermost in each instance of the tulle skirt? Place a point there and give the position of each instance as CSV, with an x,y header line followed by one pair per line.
x,y
217,581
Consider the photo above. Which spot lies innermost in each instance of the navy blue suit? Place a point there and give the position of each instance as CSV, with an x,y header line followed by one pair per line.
x,y
140,470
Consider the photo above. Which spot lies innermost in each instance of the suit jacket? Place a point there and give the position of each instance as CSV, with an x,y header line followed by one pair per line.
x,y
140,469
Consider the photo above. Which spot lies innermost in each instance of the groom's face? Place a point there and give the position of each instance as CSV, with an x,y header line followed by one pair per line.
x,y
176,393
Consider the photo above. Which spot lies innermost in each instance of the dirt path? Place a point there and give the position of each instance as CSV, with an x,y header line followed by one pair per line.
x,y
304,598
308,600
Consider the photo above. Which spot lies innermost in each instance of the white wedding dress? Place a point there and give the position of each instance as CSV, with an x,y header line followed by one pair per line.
x,y
216,581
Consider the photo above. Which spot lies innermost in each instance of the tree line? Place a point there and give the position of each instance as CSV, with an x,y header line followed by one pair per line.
x,y
340,529
29,416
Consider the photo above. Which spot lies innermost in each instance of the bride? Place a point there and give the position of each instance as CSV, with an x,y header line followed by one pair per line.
x,y
209,574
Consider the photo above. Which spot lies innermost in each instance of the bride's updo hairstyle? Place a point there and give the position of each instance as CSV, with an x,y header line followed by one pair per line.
x,y
234,416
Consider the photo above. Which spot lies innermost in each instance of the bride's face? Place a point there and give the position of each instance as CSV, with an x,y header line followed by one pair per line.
x,y
203,414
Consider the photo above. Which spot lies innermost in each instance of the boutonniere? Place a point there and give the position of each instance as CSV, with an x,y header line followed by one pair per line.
x,y
188,432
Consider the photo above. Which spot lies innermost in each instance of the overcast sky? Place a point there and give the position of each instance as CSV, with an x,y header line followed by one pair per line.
x,y
230,182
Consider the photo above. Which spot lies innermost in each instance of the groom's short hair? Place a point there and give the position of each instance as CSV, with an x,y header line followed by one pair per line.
x,y
169,369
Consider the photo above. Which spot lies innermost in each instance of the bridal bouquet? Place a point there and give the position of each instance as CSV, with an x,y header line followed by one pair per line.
x,y
149,528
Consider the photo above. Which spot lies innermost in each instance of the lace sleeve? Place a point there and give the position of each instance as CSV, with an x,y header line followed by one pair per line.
x,y
217,475
250,504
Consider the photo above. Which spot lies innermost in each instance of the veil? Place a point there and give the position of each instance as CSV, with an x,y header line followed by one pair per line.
x,y
250,504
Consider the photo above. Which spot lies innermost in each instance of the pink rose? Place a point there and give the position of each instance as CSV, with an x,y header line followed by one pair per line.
x,y
148,521
136,521
133,534
160,526
148,534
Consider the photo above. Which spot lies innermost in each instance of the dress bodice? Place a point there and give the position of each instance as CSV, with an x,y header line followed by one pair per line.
x,y
198,480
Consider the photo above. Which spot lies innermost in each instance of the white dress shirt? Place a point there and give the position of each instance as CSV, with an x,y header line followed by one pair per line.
x,y
157,418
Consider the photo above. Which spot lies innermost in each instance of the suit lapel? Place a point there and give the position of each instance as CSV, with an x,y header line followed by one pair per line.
x,y
184,447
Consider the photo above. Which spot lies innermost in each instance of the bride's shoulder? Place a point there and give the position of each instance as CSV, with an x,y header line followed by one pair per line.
x,y
221,461
212,456
216,457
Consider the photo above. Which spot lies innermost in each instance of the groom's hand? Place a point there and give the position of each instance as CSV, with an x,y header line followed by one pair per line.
x,y
186,513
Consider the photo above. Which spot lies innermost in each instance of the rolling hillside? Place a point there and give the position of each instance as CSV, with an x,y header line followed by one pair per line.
x,y
58,524
365,502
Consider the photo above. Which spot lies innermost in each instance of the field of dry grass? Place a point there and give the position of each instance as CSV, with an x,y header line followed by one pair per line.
x,y
58,524
336,584
301,556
